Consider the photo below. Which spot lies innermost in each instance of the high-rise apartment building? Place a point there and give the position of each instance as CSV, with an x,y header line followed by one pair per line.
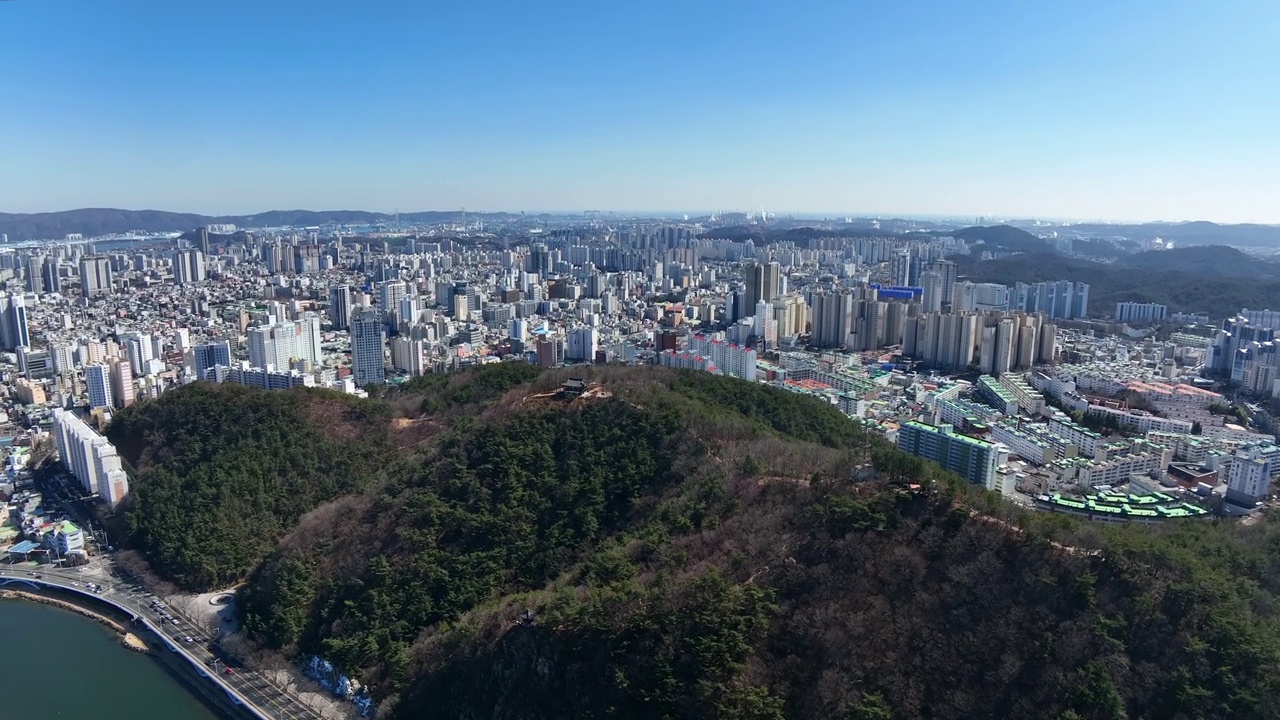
x,y
95,276
947,270
122,391
202,240
1062,299
832,318
367,341
35,274
139,349
409,355
89,458
1006,338
932,283
210,355
50,278
188,266
1232,346
340,307
276,347
1132,312
727,358
900,267
582,344
980,297
390,293
763,282
14,330
97,380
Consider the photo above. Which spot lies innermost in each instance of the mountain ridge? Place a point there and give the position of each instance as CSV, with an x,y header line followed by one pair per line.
x,y
675,544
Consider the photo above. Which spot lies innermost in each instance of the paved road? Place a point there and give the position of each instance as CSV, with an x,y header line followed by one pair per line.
x,y
245,686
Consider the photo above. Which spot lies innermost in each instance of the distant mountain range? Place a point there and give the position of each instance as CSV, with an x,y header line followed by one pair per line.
x,y
107,221
1188,233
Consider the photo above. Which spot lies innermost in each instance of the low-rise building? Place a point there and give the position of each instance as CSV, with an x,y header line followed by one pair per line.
x,y
1139,420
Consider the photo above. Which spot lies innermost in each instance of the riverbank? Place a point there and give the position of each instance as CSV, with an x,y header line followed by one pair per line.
x,y
128,639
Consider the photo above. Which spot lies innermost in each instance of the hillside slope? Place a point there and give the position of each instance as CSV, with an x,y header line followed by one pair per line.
x,y
681,545
1218,281
220,472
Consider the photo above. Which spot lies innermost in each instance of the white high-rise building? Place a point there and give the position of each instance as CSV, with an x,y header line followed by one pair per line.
x,y
519,329
97,380
1251,470
277,346
583,342
368,364
89,457
1005,346
931,282
64,358
900,267
409,309
980,297
188,266
1140,312
390,293
409,355
309,338
766,324
139,348
728,358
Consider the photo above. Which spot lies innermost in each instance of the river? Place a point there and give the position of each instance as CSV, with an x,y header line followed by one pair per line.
x,y
58,664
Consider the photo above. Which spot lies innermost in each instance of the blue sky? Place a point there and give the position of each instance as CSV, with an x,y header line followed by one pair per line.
x,y
1132,110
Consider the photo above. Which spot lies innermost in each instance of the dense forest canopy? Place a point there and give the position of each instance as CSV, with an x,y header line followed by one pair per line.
x,y
676,544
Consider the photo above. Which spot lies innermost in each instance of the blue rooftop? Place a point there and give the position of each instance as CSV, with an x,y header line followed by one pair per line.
x,y
23,547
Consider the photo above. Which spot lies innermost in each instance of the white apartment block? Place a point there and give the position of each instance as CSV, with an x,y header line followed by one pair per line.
x,y
1139,420
729,358
686,361
1030,401
89,457
1140,312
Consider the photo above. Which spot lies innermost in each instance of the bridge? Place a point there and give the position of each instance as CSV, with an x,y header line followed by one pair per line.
x,y
245,687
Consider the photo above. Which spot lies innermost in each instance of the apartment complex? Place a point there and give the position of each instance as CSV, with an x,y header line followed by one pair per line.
x,y
974,460
89,457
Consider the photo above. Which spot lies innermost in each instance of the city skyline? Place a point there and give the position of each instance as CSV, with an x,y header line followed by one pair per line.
x,y
1142,112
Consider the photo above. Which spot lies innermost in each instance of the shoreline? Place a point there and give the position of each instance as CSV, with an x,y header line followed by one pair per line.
x,y
127,639
180,671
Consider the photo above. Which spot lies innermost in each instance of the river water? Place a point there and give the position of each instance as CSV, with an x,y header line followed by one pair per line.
x,y
56,664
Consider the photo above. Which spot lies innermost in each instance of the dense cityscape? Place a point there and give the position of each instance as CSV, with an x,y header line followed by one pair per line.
x,y
1007,385
656,361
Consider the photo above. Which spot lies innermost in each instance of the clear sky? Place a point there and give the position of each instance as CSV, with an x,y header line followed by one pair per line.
x,y
1133,109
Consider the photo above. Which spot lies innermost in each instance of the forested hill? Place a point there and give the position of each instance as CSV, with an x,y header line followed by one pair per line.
x,y
1212,279
680,545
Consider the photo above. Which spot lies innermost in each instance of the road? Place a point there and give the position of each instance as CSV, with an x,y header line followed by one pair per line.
x,y
244,686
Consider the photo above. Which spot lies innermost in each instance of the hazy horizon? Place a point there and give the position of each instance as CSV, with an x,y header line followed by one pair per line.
x,y
998,109
968,218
